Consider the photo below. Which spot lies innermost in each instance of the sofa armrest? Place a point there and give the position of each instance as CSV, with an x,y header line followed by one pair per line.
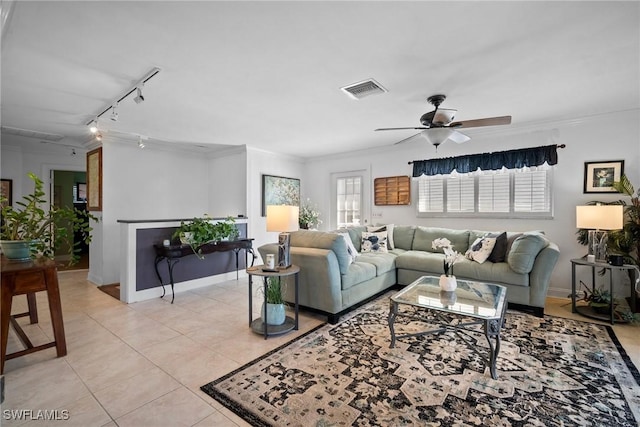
x,y
540,275
320,285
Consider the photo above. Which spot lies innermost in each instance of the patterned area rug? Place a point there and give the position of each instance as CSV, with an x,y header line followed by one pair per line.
x,y
551,372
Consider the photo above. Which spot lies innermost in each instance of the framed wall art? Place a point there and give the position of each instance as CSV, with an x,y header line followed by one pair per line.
x,y
6,190
94,180
600,176
278,190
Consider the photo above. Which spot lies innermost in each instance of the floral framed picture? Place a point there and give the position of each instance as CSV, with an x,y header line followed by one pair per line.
x,y
278,190
600,176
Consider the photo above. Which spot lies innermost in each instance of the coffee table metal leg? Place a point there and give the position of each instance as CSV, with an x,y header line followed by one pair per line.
x,y
492,332
393,313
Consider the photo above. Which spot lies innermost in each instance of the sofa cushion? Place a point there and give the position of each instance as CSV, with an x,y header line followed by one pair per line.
x,y
324,240
355,232
428,262
498,272
524,250
374,242
403,236
358,272
382,261
424,236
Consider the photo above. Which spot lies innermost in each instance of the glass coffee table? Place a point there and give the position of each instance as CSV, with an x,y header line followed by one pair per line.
x,y
474,303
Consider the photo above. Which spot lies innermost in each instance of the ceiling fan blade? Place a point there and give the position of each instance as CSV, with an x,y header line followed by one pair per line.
x,y
421,128
406,139
458,137
489,121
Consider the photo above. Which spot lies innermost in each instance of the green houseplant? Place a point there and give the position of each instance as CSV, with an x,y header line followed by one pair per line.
x,y
275,302
203,230
309,216
34,231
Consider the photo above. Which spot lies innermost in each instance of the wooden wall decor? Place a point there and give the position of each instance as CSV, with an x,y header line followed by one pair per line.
x,y
392,190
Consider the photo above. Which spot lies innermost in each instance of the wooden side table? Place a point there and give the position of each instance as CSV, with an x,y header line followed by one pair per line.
x,y
29,277
601,265
258,325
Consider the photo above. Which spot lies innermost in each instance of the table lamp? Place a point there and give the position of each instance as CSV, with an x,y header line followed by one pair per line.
x,y
283,219
598,219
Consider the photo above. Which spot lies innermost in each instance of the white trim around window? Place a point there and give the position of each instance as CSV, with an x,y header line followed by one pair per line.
x,y
506,193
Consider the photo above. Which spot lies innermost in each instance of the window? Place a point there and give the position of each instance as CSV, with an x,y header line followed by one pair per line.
x,y
506,193
348,200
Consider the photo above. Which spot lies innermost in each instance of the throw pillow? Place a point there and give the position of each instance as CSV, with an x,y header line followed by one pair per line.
x,y
481,249
374,242
524,251
388,228
350,247
499,252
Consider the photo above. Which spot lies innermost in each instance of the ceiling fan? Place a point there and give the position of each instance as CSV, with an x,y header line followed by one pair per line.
x,y
438,125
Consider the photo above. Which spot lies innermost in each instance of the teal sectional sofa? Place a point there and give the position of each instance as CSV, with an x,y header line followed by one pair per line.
x,y
336,274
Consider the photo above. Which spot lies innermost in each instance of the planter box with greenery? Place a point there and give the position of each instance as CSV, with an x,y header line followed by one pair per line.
x,y
41,231
205,230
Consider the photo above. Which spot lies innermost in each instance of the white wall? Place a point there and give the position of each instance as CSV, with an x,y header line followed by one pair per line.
x,y
607,137
261,162
228,183
144,184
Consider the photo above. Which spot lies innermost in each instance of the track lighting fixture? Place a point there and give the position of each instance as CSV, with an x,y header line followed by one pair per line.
x,y
140,143
73,152
139,97
114,112
93,126
113,107
99,136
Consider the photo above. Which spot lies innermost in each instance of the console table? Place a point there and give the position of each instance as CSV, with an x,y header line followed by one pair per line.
x,y
29,277
172,254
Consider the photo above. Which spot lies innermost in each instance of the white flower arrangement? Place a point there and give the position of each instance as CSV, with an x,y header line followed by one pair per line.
x,y
450,256
309,216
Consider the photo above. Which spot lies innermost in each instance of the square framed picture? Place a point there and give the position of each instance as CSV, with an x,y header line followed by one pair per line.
x,y
279,190
600,176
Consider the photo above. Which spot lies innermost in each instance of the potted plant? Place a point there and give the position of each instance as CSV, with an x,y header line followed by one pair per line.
x,y
275,302
308,216
203,230
31,230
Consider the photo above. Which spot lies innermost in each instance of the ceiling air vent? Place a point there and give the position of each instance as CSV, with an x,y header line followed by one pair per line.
x,y
364,88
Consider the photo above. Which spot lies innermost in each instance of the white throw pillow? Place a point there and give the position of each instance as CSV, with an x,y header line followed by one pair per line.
x,y
353,252
374,242
481,249
388,228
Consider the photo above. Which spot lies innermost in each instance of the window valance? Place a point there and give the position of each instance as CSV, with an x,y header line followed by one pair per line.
x,y
511,159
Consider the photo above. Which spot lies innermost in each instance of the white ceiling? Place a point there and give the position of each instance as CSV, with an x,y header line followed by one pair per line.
x,y
268,74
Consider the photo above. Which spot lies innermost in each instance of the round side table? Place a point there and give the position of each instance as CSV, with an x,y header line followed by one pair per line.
x,y
258,325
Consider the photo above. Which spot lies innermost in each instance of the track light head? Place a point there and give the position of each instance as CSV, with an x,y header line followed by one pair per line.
x,y
93,126
73,152
139,98
140,143
114,112
99,137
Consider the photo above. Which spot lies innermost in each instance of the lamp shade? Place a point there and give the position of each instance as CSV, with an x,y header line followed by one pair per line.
x,y
599,217
282,218
436,136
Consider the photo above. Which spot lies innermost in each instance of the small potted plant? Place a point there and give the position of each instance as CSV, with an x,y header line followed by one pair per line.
x,y
309,216
32,230
275,302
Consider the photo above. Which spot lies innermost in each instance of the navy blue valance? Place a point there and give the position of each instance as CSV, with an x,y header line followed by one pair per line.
x,y
510,159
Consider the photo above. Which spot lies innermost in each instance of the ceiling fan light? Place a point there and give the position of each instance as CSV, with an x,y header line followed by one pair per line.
x,y
458,137
443,116
436,136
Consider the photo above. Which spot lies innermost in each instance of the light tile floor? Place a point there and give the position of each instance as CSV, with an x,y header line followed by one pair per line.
x,y
142,364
